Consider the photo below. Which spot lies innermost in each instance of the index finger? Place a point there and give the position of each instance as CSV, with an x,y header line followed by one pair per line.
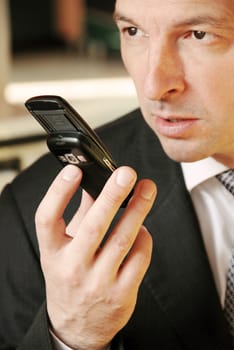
x,y
49,220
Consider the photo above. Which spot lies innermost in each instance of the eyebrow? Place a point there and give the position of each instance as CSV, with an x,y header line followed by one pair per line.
x,y
121,18
218,22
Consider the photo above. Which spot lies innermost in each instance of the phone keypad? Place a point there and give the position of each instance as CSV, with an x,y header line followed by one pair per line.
x,y
72,158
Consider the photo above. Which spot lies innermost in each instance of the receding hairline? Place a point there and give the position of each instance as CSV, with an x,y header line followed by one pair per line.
x,y
214,20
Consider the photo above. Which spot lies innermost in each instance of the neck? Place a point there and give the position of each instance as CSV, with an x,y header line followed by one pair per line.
x,y
228,161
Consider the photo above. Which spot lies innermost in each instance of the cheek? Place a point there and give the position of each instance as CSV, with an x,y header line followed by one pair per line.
x,y
216,90
135,64
136,70
126,57
210,76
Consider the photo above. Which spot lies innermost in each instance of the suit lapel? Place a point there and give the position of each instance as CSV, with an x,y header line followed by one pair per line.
x,y
180,277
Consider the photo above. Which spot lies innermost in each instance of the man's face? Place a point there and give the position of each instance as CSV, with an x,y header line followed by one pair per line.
x,y
180,54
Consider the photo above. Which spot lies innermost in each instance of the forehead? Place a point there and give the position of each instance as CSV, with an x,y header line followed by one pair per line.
x,y
164,10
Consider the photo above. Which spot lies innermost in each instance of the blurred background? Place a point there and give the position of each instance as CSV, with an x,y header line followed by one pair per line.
x,y
61,47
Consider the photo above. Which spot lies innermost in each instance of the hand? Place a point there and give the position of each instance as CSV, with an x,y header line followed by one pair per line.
x,y
91,291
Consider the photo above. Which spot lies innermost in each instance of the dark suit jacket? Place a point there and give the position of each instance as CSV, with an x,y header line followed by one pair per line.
x,y
178,307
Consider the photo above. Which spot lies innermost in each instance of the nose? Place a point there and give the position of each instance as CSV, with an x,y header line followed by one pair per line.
x,y
164,74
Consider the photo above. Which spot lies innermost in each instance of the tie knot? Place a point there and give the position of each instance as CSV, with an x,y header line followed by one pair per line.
x,y
227,179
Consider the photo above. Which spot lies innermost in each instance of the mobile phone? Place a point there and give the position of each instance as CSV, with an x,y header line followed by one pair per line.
x,y
73,141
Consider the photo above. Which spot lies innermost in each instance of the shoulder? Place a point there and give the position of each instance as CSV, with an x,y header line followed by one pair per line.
x,y
28,188
37,177
127,121
127,136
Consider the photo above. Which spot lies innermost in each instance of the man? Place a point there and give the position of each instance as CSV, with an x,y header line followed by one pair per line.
x,y
121,292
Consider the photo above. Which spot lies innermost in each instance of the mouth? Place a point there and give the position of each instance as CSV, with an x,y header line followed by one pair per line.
x,y
174,126
174,120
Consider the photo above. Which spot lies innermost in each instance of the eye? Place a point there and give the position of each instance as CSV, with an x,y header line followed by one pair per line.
x,y
199,35
131,31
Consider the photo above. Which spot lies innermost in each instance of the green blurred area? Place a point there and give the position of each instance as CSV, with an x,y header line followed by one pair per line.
x,y
100,28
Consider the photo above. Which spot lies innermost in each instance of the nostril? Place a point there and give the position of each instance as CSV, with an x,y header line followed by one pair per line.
x,y
169,94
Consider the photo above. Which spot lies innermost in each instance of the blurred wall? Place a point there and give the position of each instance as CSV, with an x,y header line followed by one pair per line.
x,y
33,22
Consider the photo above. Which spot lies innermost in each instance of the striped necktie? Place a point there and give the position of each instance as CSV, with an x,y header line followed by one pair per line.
x,y
227,179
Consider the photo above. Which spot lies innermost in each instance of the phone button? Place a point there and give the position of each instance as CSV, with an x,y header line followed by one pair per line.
x,y
75,159
82,158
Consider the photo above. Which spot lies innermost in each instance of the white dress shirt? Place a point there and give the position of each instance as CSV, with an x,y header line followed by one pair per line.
x,y
59,345
214,207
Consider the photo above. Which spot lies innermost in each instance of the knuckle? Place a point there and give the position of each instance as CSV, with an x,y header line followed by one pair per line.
x,y
112,198
93,230
122,242
72,276
69,278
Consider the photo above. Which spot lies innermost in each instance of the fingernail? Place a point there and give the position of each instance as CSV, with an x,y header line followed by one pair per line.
x,y
147,192
70,173
125,178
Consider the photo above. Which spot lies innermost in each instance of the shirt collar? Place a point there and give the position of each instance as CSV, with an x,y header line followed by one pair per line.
x,y
197,172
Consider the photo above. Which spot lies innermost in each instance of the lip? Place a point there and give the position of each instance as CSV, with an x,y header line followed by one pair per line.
x,y
174,126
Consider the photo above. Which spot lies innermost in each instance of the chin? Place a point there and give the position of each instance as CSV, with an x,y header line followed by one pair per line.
x,y
184,153
184,158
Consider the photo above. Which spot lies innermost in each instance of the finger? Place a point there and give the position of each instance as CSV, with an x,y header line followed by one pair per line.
x,y
137,262
98,219
49,216
125,232
86,203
